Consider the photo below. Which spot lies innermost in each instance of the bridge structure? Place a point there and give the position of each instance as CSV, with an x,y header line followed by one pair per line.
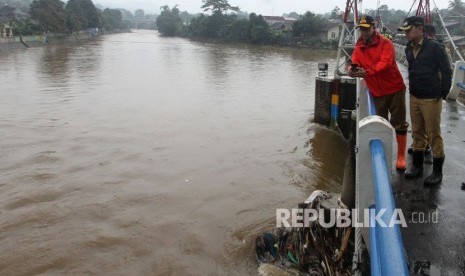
x,y
376,188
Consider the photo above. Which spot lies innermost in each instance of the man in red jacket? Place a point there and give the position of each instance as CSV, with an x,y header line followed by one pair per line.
x,y
374,56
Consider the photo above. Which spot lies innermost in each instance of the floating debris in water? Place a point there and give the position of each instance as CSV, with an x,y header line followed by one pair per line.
x,y
312,250
463,186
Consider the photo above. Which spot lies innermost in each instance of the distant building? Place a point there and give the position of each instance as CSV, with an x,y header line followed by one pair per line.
x,y
279,22
458,40
331,31
273,19
453,26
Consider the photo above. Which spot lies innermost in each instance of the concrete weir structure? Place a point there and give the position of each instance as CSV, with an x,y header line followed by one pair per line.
x,y
434,237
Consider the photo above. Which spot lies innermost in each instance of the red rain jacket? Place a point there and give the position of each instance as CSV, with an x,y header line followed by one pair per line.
x,y
378,59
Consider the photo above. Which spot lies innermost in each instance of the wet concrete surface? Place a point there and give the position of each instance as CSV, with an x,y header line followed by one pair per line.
x,y
435,237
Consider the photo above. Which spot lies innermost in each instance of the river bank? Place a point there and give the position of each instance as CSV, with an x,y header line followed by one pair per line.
x,y
19,43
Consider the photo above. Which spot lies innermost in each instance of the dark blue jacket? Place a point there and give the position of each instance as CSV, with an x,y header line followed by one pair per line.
x,y
430,74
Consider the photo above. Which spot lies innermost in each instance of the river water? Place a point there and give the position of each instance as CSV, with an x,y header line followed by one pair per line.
x,y
136,154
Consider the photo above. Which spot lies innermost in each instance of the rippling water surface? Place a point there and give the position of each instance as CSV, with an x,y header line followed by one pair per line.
x,y
141,155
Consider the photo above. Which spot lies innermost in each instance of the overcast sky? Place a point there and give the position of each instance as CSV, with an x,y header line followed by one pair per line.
x,y
264,7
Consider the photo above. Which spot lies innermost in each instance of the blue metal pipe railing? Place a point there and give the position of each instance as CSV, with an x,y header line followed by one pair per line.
x,y
388,236
386,245
371,104
374,251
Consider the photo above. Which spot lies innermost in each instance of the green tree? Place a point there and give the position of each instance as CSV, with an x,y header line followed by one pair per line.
x,y
240,31
230,27
112,19
150,21
127,15
260,32
336,13
81,15
457,6
75,20
139,14
23,5
396,16
384,12
169,22
50,14
218,25
25,27
90,13
128,19
388,16
218,6
186,17
308,25
198,26
293,15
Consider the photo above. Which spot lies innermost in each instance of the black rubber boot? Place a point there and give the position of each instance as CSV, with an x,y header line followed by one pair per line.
x,y
427,150
435,177
416,169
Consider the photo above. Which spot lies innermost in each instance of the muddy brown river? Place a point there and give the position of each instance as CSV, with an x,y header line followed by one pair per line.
x,y
136,154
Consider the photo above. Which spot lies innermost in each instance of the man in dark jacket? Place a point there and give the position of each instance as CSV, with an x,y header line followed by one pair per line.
x,y
430,77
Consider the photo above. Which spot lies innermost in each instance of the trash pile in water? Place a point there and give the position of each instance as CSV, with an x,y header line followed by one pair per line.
x,y
312,250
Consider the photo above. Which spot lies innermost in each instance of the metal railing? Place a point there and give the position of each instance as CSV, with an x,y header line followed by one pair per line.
x,y
457,90
387,239
461,84
374,191
400,54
